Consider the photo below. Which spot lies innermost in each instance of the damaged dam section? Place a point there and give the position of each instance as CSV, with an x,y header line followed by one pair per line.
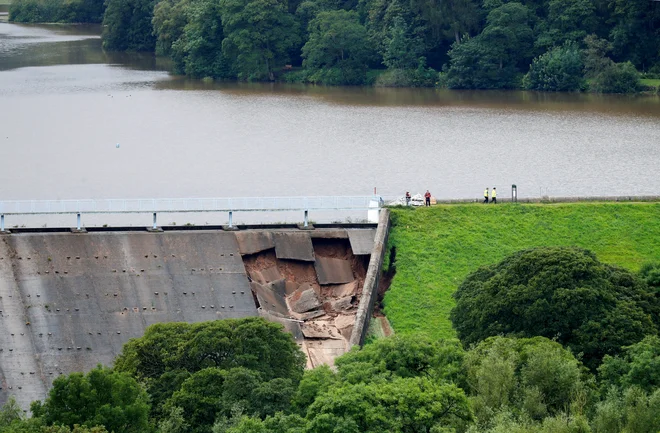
x,y
69,301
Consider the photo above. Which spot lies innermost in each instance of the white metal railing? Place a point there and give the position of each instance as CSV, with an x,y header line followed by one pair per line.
x,y
180,205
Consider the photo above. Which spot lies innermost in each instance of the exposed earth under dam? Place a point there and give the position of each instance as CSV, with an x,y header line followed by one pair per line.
x,y
69,301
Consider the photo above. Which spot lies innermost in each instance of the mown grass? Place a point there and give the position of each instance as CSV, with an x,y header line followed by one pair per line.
x,y
650,82
437,247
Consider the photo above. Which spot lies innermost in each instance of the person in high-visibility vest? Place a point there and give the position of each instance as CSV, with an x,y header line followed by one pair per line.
x,y
486,196
493,195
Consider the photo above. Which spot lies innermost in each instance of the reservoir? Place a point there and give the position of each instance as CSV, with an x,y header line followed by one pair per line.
x,y
76,122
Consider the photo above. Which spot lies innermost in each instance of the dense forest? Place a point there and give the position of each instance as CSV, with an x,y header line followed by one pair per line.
x,y
599,373
552,45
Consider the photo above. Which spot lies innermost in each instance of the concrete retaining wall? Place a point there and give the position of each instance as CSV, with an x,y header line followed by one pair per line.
x,y
70,301
370,288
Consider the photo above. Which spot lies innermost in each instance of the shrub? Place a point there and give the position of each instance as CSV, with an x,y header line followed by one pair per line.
x,y
617,78
558,70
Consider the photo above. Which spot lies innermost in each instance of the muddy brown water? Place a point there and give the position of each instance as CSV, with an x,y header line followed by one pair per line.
x,y
65,104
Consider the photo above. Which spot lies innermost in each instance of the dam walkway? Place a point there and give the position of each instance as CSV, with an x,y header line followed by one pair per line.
x,y
190,205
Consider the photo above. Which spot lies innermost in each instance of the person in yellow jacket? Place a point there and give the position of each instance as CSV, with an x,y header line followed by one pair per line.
x,y
486,196
493,195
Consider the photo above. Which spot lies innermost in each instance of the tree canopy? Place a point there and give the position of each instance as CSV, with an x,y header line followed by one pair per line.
x,y
563,293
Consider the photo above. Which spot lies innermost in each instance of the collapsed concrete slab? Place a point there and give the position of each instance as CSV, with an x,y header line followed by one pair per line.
x,y
362,241
269,300
343,290
304,299
294,246
254,241
333,271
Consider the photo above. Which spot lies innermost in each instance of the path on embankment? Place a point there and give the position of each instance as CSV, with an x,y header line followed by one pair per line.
x,y
437,247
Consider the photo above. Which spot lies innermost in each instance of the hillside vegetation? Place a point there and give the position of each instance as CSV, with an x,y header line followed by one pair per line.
x,y
549,45
437,247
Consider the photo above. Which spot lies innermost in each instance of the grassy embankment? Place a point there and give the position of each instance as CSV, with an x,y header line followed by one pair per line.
x,y
648,82
437,247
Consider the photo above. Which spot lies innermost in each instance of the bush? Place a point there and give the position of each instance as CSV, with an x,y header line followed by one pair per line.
x,y
557,292
617,78
558,70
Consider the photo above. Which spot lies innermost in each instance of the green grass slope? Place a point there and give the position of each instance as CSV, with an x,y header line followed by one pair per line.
x,y
437,247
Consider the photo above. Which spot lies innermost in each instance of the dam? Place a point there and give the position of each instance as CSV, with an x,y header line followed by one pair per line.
x,y
69,299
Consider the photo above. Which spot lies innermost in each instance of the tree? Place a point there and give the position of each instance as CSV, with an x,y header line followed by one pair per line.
x,y
258,36
650,272
102,397
635,35
558,70
491,60
638,365
169,354
564,293
400,405
198,50
405,357
337,43
534,376
127,25
567,21
401,50
169,21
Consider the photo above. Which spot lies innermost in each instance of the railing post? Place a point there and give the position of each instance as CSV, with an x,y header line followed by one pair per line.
x,y
154,226
78,224
231,223
2,223
306,222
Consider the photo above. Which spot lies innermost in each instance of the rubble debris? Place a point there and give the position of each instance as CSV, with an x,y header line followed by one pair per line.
x,y
304,299
347,289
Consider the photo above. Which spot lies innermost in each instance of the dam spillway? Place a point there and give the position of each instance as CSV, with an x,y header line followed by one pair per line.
x,y
69,301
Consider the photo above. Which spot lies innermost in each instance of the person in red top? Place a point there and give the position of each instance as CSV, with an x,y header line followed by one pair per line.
x,y
407,198
427,196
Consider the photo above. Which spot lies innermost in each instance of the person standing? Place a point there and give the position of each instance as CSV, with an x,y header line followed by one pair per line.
x,y
427,197
486,196
493,195
407,198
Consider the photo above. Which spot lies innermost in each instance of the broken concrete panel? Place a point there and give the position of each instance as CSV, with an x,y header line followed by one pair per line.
x,y
257,276
343,290
291,287
320,330
342,304
305,299
293,246
279,287
271,274
329,234
252,242
269,300
333,271
362,240
310,315
290,325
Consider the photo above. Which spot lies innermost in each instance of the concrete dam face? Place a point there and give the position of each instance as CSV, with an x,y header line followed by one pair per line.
x,y
70,301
